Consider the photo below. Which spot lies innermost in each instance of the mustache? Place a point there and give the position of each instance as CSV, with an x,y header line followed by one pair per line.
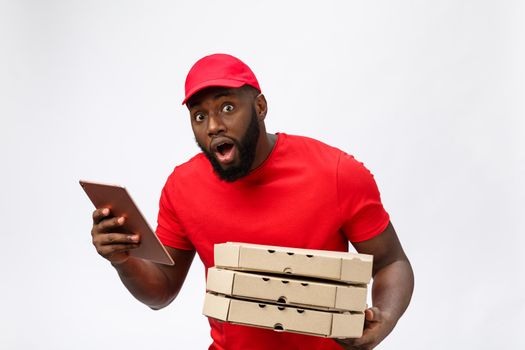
x,y
246,147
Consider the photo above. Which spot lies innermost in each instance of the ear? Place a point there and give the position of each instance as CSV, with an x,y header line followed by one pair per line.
x,y
261,107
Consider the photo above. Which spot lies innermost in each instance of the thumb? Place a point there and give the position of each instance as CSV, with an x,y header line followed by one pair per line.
x,y
373,314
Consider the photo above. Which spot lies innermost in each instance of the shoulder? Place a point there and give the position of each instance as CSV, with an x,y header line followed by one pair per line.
x,y
189,171
354,176
305,141
313,149
309,147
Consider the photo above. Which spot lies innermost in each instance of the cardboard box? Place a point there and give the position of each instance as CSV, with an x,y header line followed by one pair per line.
x,y
290,291
281,318
337,266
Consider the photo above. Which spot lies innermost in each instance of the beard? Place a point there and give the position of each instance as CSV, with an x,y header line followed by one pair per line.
x,y
246,147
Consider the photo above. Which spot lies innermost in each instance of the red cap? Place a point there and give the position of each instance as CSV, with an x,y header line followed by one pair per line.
x,y
218,70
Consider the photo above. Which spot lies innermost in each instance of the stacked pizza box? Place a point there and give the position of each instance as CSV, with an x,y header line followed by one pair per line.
x,y
315,292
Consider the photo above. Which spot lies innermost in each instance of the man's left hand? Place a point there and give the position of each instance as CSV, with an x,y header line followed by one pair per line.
x,y
378,325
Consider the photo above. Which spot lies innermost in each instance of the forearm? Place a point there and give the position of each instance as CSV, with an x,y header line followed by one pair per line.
x,y
392,288
146,282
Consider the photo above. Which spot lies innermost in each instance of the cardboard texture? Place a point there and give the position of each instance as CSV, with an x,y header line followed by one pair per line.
x,y
281,318
290,291
337,266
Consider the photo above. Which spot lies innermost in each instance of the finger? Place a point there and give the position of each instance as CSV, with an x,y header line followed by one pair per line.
x,y
118,238
373,314
108,250
372,327
100,214
110,224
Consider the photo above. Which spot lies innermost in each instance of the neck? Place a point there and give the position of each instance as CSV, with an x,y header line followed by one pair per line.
x,y
265,146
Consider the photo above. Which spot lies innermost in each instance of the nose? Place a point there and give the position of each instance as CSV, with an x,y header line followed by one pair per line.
x,y
215,124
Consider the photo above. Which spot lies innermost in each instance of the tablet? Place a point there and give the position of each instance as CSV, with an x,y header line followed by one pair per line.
x,y
118,200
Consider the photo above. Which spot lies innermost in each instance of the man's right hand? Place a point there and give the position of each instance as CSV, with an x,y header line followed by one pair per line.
x,y
109,237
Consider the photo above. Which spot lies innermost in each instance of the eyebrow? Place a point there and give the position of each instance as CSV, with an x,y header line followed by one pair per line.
x,y
218,95
223,94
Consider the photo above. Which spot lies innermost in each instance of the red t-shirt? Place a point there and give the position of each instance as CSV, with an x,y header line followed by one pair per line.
x,y
306,194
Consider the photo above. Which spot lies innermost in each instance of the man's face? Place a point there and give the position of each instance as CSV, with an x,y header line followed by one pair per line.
x,y
226,128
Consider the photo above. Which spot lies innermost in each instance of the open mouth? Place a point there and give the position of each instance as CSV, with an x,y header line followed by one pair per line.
x,y
225,151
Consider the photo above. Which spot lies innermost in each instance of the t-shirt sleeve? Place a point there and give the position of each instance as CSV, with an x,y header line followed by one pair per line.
x,y
359,200
169,228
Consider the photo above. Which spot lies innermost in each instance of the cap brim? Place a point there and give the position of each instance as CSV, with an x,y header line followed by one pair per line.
x,y
209,83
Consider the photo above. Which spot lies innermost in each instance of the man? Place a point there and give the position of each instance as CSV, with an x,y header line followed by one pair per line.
x,y
251,186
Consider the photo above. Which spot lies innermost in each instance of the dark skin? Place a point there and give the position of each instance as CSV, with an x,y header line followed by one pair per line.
x,y
155,285
391,289
220,112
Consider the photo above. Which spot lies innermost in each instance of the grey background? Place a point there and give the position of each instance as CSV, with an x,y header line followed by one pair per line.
x,y
428,94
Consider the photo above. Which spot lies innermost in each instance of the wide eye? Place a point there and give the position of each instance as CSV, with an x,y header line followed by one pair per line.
x,y
227,108
199,117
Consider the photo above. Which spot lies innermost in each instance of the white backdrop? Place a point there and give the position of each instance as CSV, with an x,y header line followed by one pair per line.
x,y
430,95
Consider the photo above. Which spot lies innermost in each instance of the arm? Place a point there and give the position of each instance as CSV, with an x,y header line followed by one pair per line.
x,y
155,285
391,289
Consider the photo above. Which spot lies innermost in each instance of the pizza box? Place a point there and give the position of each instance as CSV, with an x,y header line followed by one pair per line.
x,y
287,290
284,318
337,266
